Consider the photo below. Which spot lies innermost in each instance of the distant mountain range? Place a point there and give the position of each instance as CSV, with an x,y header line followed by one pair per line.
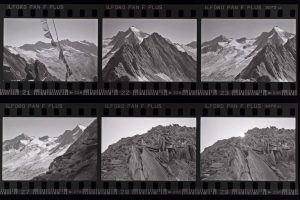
x,y
164,153
82,57
266,154
137,56
26,157
270,57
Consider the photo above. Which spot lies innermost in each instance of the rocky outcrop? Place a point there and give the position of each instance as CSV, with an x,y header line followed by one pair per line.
x,y
79,161
163,153
154,59
13,66
37,71
214,44
15,143
17,68
262,155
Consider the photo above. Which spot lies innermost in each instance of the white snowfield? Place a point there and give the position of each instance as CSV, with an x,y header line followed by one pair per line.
x,y
233,55
83,64
35,157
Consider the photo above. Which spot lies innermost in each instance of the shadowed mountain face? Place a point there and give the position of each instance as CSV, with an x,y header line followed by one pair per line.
x,y
266,154
163,153
78,162
25,157
270,57
82,58
137,56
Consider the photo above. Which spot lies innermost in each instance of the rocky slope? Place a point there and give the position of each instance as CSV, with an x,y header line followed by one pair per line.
x,y
266,154
268,57
163,153
78,162
137,56
82,57
272,64
25,157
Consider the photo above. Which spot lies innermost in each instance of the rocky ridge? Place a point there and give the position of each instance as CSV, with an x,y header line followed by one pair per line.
x,y
163,153
20,62
270,57
137,56
266,154
78,162
25,157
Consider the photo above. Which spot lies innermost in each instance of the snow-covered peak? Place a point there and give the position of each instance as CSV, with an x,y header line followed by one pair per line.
x,y
134,34
134,29
280,34
277,29
82,127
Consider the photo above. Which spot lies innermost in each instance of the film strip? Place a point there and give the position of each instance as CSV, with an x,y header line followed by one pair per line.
x,y
143,148
153,50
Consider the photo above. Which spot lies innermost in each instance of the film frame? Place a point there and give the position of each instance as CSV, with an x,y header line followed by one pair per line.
x,y
197,12
152,110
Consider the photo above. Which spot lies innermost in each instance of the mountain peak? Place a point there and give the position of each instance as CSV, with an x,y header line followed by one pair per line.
x,y
277,29
134,29
279,34
222,38
81,127
22,136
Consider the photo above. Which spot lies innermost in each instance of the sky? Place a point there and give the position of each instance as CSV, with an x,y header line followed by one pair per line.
x,y
115,128
182,31
29,31
219,128
41,126
238,28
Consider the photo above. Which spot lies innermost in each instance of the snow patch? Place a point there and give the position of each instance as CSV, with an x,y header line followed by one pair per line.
x,y
12,50
179,48
134,29
82,127
25,142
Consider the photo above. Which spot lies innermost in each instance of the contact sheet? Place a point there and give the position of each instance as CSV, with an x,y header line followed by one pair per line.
x,y
147,50
149,99
177,147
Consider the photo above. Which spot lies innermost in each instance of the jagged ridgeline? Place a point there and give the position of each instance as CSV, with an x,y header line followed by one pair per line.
x,y
70,156
268,57
266,154
51,55
134,55
164,153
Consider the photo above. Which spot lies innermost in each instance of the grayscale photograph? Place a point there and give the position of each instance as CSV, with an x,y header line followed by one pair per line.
x,y
63,50
143,50
41,149
248,50
248,149
148,149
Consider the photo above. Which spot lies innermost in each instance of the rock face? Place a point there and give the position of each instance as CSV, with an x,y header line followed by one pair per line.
x,y
78,162
137,56
40,62
266,154
270,57
162,154
272,63
25,157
